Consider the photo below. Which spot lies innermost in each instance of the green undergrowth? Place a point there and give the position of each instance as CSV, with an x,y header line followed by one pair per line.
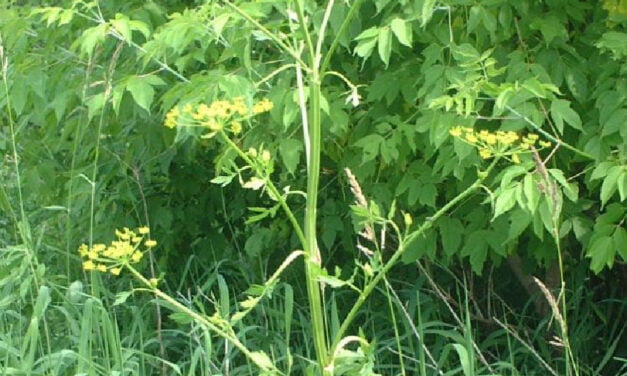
x,y
363,187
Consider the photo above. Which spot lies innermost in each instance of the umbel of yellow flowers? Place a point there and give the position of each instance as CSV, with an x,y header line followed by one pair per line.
x,y
500,143
216,116
129,248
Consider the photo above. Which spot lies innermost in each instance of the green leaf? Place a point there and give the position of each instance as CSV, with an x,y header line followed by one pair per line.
x,y
504,201
402,31
464,359
601,253
615,42
571,190
91,37
384,45
561,112
370,145
532,193
550,27
122,26
451,230
366,42
620,242
610,184
121,297
290,151
476,246
622,185
262,360
428,6
141,89
601,170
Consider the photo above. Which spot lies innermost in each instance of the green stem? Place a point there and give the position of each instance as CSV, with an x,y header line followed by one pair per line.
x,y
313,260
198,318
550,136
402,248
267,33
347,20
271,187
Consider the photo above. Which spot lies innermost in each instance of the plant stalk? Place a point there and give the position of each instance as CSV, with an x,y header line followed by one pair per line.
x,y
402,248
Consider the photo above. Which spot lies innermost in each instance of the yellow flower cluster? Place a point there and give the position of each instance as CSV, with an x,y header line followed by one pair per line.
x,y
216,115
124,250
501,143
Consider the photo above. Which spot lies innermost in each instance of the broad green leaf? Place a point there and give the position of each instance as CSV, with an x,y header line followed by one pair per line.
x,y
384,44
428,6
610,184
550,27
532,193
451,230
370,145
561,112
504,201
615,42
620,242
615,122
141,89
402,31
601,253
571,190
476,247
600,171
290,151
121,297
91,37
122,27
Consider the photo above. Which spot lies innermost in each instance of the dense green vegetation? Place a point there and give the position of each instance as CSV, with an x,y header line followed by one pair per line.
x,y
291,187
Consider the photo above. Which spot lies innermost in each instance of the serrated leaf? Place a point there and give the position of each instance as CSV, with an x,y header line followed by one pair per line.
x,y
91,37
600,170
384,45
601,253
122,27
610,184
451,230
561,112
402,31
370,145
532,193
121,297
620,242
504,201
570,189
476,246
254,183
290,151
141,90
428,6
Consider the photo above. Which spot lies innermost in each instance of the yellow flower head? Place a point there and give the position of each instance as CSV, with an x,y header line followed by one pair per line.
x,y
515,158
171,118
455,131
136,256
115,271
236,127
150,243
485,153
89,265
143,230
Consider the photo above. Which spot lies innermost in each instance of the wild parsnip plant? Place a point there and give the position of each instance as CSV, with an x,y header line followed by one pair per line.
x,y
383,143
